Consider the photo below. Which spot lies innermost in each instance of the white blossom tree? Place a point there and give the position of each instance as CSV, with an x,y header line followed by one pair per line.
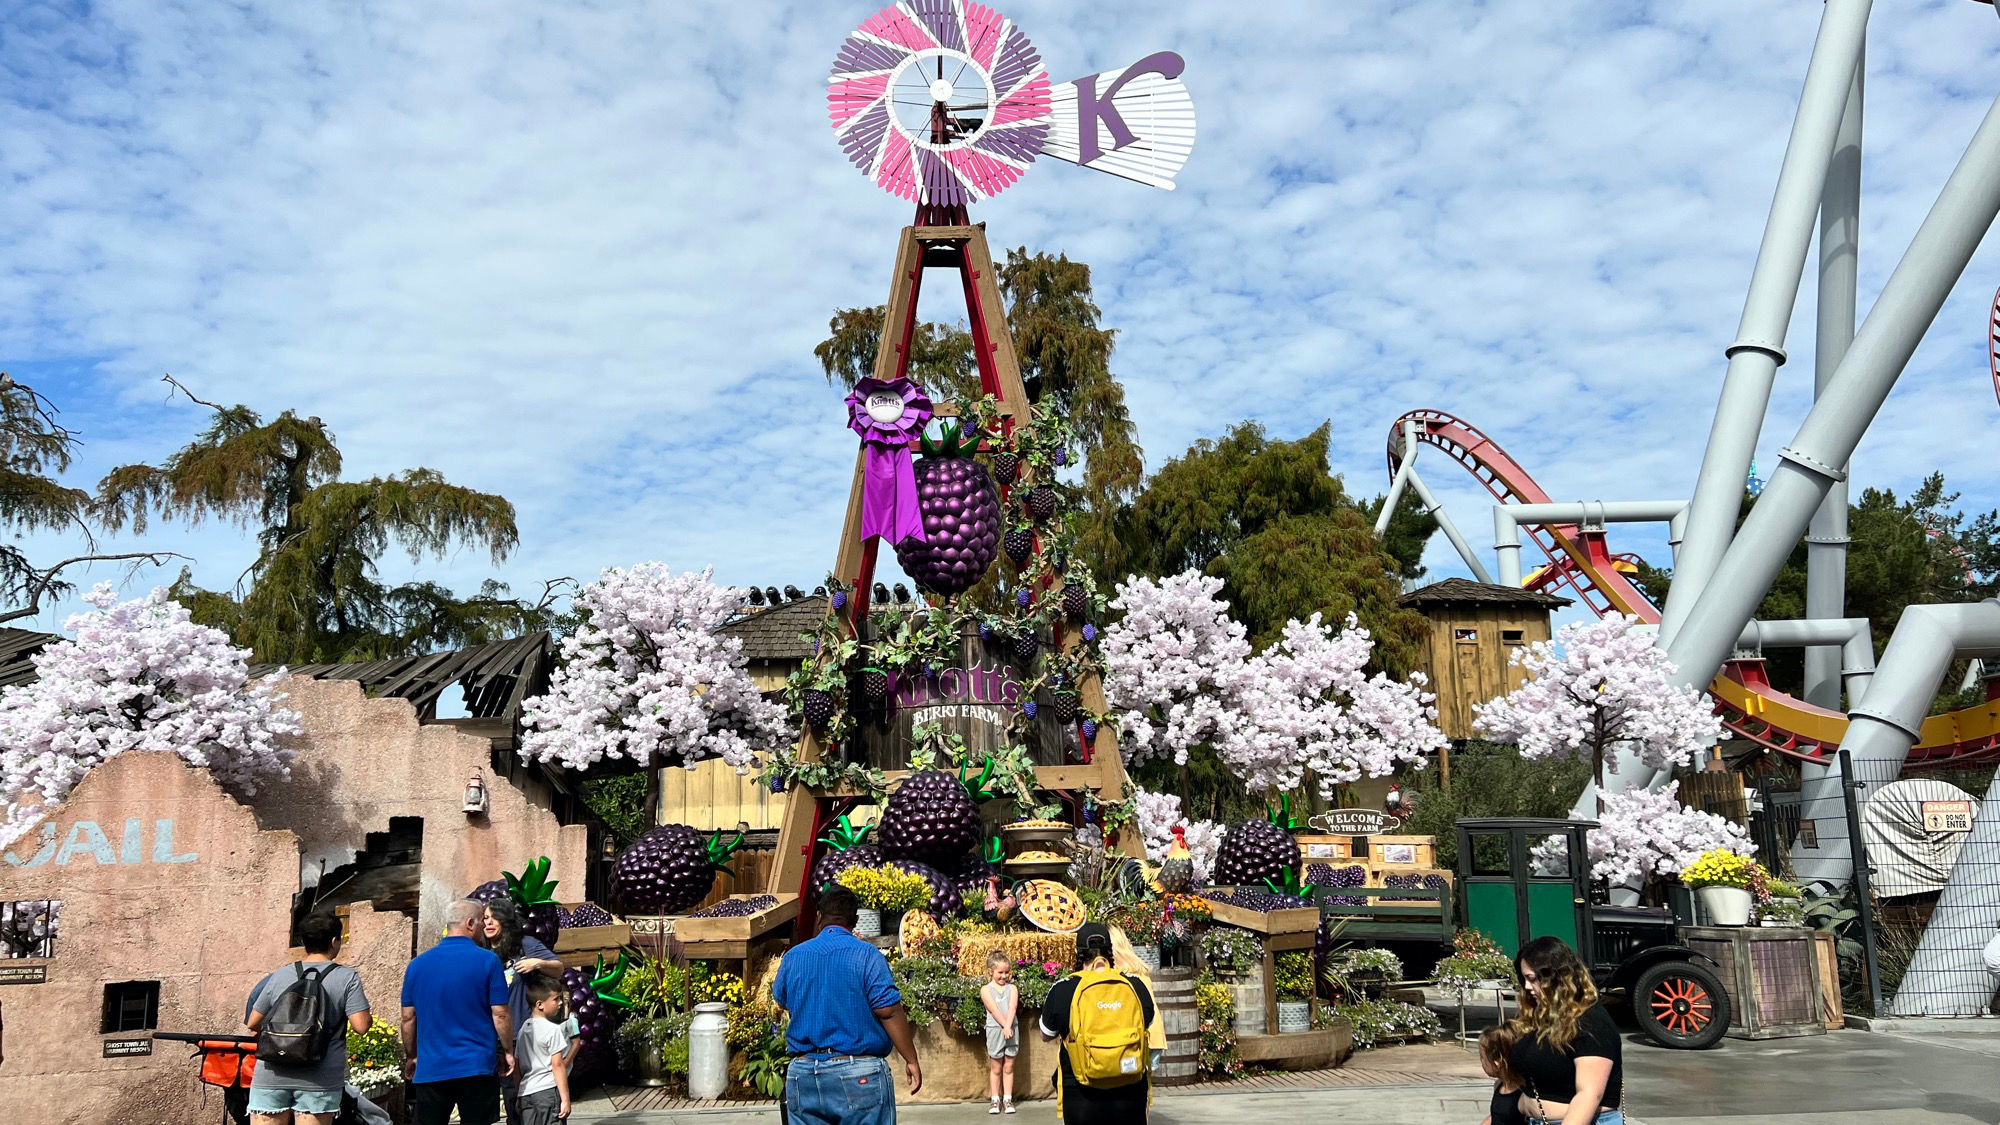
x,y
647,678
1179,674
1646,833
1156,814
137,675
1597,683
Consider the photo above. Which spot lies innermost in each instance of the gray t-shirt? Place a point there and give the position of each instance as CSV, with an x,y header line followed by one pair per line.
x,y
343,992
535,1044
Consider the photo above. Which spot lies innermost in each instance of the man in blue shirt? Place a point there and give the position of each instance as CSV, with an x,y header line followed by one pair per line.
x,y
455,1024
845,1014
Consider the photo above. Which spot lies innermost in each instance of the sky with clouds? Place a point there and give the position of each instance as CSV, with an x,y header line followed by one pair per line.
x,y
578,253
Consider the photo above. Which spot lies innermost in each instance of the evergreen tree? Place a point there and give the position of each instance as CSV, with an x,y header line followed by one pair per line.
x,y
313,593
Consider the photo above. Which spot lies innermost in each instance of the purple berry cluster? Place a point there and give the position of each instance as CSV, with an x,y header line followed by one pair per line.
x,y
586,914
1415,882
737,907
1327,875
1263,902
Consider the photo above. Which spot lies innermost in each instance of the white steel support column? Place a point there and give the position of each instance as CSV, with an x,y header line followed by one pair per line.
x,y
1403,470
1767,309
1592,514
1450,529
1839,245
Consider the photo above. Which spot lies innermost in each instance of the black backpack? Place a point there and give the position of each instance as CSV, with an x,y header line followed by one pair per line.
x,y
300,1025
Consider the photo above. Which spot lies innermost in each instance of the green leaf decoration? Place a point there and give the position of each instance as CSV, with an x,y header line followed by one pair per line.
x,y
1291,885
995,851
719,852
604,982
532,887
1283,818
846,837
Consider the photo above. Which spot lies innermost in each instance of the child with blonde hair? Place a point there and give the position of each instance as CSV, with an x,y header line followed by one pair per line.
x,y
1002,999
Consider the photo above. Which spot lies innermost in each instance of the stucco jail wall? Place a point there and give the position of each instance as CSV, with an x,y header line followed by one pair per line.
x,y
163,877
365,760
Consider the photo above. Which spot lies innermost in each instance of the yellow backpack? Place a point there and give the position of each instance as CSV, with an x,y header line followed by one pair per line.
x,y
1106,1043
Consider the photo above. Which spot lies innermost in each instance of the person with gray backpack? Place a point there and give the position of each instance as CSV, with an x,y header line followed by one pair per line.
x,y
301,1014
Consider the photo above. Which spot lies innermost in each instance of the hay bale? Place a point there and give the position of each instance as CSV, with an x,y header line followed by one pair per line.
x,y
1023,945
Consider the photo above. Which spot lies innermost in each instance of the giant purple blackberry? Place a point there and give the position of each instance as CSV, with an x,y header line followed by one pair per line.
x,y
961,516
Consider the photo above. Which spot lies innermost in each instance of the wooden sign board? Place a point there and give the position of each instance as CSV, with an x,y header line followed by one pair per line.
x,y
976,698
24,974
1947,816
126,1048
1354,822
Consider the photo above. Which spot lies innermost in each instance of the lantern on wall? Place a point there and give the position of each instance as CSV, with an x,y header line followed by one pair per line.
x,y
475,795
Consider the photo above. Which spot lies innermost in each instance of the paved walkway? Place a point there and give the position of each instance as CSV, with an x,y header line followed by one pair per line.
x,y
1904,1079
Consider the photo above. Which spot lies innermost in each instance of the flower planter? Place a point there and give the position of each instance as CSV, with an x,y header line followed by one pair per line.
x,y
867,923
1149,956
1294,1016
1726,906
652,1069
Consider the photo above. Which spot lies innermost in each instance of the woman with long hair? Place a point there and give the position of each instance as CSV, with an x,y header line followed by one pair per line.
x,y
1124,1101
521,954
1569,1057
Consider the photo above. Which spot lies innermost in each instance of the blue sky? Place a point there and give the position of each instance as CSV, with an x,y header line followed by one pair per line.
x,y
578,254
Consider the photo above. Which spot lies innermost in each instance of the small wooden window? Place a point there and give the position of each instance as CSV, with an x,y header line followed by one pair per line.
x,y
1465,636
132,1005
1513,636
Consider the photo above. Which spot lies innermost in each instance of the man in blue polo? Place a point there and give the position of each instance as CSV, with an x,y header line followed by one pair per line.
x,y
845,1015
456,1026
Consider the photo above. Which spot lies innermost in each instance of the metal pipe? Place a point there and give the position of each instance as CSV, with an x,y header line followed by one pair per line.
x,y
1883,727
1767,308
1839,249
1847,639
1450,529
1591,514
1909,302
1403,470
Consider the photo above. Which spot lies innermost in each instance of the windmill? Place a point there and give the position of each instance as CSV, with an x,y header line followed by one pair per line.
x,y
946,103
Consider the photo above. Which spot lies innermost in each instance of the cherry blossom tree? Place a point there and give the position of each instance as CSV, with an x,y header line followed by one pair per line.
x,y
1180,674
1156,814
1646,833
648,678
1597,683
137,675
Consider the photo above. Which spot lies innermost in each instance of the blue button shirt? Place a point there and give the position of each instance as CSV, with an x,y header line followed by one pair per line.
x,y
454,986
832,985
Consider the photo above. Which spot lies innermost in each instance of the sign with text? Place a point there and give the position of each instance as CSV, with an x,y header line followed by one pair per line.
x,y
977,696
24,974
1353,822
126,1048
1947,816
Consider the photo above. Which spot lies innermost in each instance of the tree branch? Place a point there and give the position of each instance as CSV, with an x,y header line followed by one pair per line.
x,y
46,580
191,395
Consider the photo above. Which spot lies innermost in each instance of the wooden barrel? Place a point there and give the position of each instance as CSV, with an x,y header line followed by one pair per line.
x,y
1249,1004
1173,995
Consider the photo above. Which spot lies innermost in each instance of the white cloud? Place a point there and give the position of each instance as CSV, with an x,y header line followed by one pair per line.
x,y
578,254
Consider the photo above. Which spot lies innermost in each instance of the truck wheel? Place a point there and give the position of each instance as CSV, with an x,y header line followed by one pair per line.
x,y
1681,1004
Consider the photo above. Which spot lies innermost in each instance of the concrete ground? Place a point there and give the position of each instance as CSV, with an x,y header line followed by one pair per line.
x,y
1939,1076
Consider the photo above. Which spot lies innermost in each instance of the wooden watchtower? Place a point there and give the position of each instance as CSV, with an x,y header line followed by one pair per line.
x,y
1475,629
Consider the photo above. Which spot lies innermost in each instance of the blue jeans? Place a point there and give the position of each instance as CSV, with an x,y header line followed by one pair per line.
x,y
840,1091
1604,1117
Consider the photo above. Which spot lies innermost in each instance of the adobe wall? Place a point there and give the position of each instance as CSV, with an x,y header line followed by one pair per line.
x,y
365,760
162,876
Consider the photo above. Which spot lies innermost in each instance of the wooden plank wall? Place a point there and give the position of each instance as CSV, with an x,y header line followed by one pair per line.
x,y
1464,673
712,796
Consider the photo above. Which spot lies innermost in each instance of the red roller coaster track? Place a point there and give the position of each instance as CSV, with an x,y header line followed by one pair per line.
x,y
1749,705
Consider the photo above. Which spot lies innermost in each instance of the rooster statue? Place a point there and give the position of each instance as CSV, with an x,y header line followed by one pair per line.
x,y
1000,904
1177,870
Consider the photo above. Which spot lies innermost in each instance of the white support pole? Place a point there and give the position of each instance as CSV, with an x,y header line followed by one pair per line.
x,y
1839,249
1450,529
1909,302
1404,468
1767,309
1594,514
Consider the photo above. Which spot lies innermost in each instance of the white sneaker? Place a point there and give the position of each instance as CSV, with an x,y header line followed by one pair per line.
x,y
993,1107
1010,1105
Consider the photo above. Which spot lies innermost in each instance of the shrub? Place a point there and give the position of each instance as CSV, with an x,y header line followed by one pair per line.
x,y
1377,1021
887,889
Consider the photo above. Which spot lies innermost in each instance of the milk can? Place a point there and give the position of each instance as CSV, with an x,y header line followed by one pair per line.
x,y
708,1052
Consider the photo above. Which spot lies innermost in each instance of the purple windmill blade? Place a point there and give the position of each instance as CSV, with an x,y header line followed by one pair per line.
x,y
944,19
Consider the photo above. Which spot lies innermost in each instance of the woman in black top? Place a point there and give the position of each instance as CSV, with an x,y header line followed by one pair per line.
x,y
1571,1052
1094,1105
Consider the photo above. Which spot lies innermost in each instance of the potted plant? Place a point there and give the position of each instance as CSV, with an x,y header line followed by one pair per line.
x,y
883,894
1144,924
1721,880
1228,951
1778,903
1475,962
375,1060
1362,972
1292,977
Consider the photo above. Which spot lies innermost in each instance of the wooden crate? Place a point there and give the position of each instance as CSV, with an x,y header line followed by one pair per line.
x,y
1771,977
1326,849
1304,919
742,928
1420,850
1378,873
1826,959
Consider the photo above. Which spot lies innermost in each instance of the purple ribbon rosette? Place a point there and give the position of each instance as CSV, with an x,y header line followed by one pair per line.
x,y
889,415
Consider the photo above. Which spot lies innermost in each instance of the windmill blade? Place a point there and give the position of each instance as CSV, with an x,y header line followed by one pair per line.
x,y
1142,131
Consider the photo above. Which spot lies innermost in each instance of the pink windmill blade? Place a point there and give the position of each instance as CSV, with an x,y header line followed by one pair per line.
x,y
946,103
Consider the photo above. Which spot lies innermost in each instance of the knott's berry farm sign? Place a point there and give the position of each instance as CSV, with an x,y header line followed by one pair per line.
x,y
978,698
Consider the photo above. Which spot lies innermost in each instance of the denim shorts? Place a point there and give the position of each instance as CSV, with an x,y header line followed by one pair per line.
x,y
1604,1117
288,1101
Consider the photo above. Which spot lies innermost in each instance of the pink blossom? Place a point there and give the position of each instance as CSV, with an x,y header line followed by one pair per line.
x,y
1597,683
1644,833
138,675
648,678
1156,814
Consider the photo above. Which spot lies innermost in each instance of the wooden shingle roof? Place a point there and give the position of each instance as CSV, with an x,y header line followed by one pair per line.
x,y
772,632
1464,591
17,651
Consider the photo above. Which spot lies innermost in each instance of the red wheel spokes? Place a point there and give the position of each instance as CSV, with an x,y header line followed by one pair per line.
x,y
1682,1005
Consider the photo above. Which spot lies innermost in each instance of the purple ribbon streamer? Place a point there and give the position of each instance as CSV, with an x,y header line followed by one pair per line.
x,y
888,475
